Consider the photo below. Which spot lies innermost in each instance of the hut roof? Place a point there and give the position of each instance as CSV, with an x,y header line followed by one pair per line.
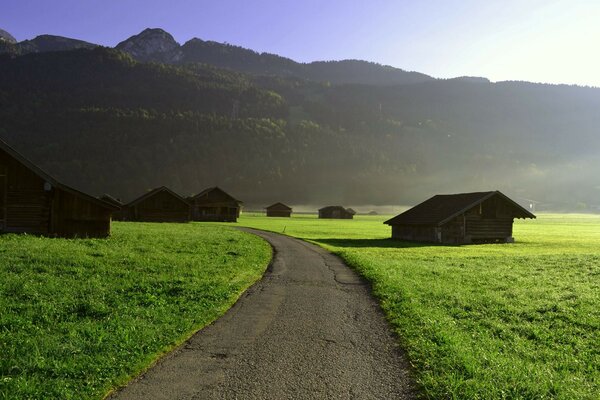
x,y
218,189
110,199
279,206
441,208
153,192
331,208
45,176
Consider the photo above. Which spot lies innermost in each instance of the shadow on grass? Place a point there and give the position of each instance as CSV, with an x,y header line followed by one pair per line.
x,y
382,243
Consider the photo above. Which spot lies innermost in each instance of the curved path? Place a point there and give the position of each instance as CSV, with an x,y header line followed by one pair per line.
x,y
308,330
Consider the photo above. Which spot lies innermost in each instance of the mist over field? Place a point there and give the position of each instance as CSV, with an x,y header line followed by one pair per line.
x,y
152,112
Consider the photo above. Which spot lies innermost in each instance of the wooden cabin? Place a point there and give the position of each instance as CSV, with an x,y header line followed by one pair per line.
x,y
117,215
279,210
214,204
158,205
459,219
31,201
335,212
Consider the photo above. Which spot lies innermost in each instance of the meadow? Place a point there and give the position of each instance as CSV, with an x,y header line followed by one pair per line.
x,y
78,317
491,321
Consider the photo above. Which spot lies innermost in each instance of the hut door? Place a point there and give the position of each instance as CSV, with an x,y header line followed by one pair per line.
x,y
2,198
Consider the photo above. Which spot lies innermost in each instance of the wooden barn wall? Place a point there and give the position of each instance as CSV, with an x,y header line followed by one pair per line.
x,y
416,233
75,216
162,207
335,214
279,213
25,204
221,213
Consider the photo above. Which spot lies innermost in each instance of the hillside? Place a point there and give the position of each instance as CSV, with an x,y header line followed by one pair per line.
x,y
105,122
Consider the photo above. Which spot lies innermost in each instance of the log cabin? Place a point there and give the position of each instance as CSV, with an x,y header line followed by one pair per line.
x,y
214,204
462,218
31,201
279,210
335,212
158,205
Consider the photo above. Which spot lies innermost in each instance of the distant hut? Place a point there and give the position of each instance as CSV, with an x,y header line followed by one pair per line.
x,y
459,218
117,214
279,210
373,212
335,212
158,205
214,204
31,201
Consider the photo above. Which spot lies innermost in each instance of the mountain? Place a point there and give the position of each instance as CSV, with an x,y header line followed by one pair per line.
x,y
104,122
159,46
7,37
151,45
46,43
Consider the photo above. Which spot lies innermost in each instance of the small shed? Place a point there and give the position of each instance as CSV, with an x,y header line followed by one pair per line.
x,y
459,219
158,205
214,204
335,212
279,210
31,201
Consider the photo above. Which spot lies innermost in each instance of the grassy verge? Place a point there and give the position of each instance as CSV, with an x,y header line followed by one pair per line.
x,y
78,317
514,321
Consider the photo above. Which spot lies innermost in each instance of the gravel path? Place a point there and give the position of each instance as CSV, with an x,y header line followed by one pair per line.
x,y
308,330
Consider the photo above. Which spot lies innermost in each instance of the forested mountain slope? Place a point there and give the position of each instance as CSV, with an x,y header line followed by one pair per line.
x,y
104,122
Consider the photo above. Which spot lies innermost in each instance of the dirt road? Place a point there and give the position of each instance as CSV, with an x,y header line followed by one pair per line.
x,y
308,330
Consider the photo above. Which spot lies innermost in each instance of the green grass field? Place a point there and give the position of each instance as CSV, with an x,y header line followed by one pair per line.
x,y
495,321
78,317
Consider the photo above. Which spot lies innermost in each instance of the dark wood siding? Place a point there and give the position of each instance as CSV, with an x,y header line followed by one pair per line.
x,y
2,198
27,203
161,207
74,216
416,233
31,204
279,213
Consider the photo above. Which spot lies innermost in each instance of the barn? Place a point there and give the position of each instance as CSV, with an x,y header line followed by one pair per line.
x,y
158,205
31,201
459,219
279,210
335,212
214,204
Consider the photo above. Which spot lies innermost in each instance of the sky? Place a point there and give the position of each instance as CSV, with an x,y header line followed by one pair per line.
x,y
550,41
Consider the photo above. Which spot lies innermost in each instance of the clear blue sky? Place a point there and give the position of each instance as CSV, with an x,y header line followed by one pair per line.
x,y
536,40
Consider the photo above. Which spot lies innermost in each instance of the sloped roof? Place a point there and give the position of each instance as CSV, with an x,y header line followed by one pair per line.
x,y
216,188
331,208
45,176
110,199
441,208
154,192
279,206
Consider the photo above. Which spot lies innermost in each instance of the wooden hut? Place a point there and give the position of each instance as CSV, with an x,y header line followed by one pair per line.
x,y
158,205
459,218
335,212
279,210
214,204
31,201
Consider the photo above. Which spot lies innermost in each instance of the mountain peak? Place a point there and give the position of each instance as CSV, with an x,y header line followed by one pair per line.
x,y
150,44
7,37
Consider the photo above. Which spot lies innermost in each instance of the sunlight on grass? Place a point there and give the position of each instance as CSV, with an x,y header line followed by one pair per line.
x,y
80,316
517,321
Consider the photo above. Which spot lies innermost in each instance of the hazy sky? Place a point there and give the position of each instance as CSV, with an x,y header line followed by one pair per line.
x,y
535,40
